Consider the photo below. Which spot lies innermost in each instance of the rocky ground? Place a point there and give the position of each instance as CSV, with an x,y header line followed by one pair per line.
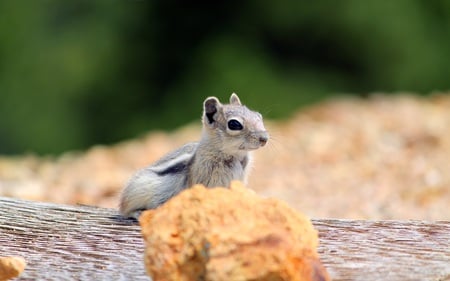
x,y
386,157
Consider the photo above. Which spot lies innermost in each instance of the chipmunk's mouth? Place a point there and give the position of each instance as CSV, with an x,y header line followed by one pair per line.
x,y
248,147
255,141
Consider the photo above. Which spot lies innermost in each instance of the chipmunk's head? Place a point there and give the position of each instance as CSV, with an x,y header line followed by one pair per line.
x,y
233,127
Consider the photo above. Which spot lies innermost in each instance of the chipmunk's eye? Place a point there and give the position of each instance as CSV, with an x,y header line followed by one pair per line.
x,y
235,125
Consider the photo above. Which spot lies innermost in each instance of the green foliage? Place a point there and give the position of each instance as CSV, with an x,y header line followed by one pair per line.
x,y
77,73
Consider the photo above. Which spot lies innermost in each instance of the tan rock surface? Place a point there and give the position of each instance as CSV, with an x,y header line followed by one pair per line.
x,y
11,267
229,234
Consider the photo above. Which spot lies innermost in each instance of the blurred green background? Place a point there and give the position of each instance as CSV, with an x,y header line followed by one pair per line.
x,y
78,73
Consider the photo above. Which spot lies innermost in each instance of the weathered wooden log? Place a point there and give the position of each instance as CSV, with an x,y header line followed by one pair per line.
x,y
71,242
63,242
385,250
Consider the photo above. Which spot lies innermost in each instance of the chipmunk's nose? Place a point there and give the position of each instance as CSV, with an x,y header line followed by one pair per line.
x,y
263,138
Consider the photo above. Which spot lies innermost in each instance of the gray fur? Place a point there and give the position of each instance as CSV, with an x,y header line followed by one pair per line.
x,y
221,155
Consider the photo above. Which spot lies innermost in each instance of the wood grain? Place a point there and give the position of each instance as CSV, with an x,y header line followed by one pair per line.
x,y
63,242
385,250
71,242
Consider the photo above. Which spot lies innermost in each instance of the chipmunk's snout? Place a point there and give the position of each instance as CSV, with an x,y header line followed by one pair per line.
x,y
254,141
263,138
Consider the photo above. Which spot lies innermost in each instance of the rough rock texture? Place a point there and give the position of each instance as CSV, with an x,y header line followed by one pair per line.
x,y
229,234
11,267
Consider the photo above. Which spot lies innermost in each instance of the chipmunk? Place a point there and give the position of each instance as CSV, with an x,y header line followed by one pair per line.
x,y
230,132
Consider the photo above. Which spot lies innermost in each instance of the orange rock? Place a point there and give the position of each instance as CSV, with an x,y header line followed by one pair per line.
x,y
229,234
11,267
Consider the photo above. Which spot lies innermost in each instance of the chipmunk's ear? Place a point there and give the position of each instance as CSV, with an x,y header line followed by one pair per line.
x,y
210,107
234,99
